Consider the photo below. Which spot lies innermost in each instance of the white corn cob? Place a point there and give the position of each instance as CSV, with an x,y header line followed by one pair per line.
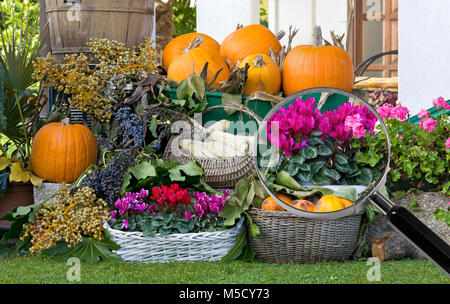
x,y
221,150
221,125
196,148
236,142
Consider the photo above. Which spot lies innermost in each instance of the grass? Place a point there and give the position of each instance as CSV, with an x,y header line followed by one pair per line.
x,y
26,269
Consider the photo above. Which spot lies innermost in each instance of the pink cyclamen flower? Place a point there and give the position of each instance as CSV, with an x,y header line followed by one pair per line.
x,y
423,113
188,215
441,103
428,124
113,214
447,143
124,225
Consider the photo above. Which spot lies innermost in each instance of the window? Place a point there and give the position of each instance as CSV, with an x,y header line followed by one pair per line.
x,y
375,31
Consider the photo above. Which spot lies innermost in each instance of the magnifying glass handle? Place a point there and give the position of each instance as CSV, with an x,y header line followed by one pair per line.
x,y
436,249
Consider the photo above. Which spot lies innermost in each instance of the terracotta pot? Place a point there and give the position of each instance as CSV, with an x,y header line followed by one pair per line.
x,y
18,194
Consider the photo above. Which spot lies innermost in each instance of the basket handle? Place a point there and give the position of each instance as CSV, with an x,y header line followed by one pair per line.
x,y
240,108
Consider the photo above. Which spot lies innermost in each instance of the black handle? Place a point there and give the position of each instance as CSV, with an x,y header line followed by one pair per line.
x,y
416,232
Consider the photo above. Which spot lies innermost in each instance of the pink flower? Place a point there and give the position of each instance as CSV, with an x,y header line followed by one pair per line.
x,y
359,131
447,143
399,112
188,215
113,213
124,225
441,103
385,110
428,124
423,113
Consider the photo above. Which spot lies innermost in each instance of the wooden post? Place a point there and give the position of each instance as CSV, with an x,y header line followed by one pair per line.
x,y
44,30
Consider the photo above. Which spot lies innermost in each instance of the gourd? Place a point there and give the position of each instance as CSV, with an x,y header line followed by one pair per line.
x,y
270,204
307,67
304,205
61,152
251,39
178,45
330,203
193,61
263,74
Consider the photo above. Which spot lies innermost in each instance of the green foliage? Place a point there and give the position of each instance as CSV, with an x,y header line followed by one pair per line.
x,y
443,216
184,17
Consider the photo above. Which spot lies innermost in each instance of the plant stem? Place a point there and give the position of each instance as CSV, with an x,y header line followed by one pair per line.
x,y
25,133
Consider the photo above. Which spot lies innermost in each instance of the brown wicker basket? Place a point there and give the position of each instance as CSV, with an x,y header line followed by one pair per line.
x,y
285,237
222,173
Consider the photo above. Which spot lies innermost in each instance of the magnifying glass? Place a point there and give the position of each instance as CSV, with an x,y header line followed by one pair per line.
x,y
329,150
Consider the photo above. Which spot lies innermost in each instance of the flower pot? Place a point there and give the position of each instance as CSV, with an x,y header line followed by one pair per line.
x,y
18,194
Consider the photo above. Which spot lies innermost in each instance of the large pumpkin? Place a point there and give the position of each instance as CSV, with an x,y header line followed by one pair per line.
x,y
178,45
307,67
251,39
193,61
61,152
263,74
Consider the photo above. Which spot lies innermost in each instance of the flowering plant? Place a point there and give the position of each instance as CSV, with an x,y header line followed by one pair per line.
x,y
319,147
420,152
169,209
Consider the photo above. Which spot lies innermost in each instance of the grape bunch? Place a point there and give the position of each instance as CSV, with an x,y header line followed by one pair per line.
x,y
69,217
108,181
131,127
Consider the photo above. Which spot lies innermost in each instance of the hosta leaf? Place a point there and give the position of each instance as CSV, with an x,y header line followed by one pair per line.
x,y
365,177
304,167
331,173
315,141
89,250
309,152
341,159
324,150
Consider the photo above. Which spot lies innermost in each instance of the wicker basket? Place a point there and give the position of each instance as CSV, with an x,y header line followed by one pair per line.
x,y
201,246
285,237
222,173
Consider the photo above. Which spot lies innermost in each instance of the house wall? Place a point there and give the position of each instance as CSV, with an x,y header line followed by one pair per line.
x,y
424,52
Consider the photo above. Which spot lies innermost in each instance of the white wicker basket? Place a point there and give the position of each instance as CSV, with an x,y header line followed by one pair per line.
x,y
201,246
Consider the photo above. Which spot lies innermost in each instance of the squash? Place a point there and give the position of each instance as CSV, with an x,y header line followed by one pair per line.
x,y
263,74
61,152
307,67
251,39
178,45
194,60
304,205
270,204
330,203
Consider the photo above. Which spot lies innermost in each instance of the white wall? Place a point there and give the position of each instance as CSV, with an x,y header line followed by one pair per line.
x,y
424,52
304,14
218,18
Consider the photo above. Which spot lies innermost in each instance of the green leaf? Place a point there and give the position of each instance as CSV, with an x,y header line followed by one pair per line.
x,y
413,204
324,150
366,176
341,159
233,99
316,166
309,152
298,159
89,250
314,141
283,178
331,173
370,213
236,250
373,158
304,167
320,179
342,168
305,176
191,168
242,188
254,229
153,126
143,170
361,158
347,192
197,85
183,90
293,168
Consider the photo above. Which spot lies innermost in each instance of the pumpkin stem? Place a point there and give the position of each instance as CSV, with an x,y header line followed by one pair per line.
x,y
65,121
317,36
195,43
259,61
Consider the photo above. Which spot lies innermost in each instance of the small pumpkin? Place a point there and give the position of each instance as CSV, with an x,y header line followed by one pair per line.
x,y
304,205
178,45
61,152
307,67
263,74
250,39
270,204
194,60
330,203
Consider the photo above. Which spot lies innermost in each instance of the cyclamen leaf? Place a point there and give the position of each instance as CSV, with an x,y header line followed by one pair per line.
x,y
324,150
294,168
316,166
365,177
341,159
331,173
315,141
342,168
320,179
309,152
304,167
305,176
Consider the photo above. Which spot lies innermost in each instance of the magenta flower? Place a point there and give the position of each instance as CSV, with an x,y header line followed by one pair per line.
x,y
188,215
113,214
399,112
124,225
447,143
441,103
423,113
385,110
428,124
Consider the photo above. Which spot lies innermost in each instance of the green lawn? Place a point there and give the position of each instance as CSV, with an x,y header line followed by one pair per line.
x,y
34,269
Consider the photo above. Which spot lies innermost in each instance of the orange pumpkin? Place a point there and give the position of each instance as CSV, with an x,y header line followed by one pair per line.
x,y
61,152
307,67
251,39
193,61
304,205
330,203
263,74
178,45
270,204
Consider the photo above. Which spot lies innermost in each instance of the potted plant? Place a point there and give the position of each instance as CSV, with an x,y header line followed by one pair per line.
x,y
20,108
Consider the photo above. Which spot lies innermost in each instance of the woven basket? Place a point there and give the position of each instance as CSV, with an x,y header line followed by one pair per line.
x,y
201,246
285,237
222,173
